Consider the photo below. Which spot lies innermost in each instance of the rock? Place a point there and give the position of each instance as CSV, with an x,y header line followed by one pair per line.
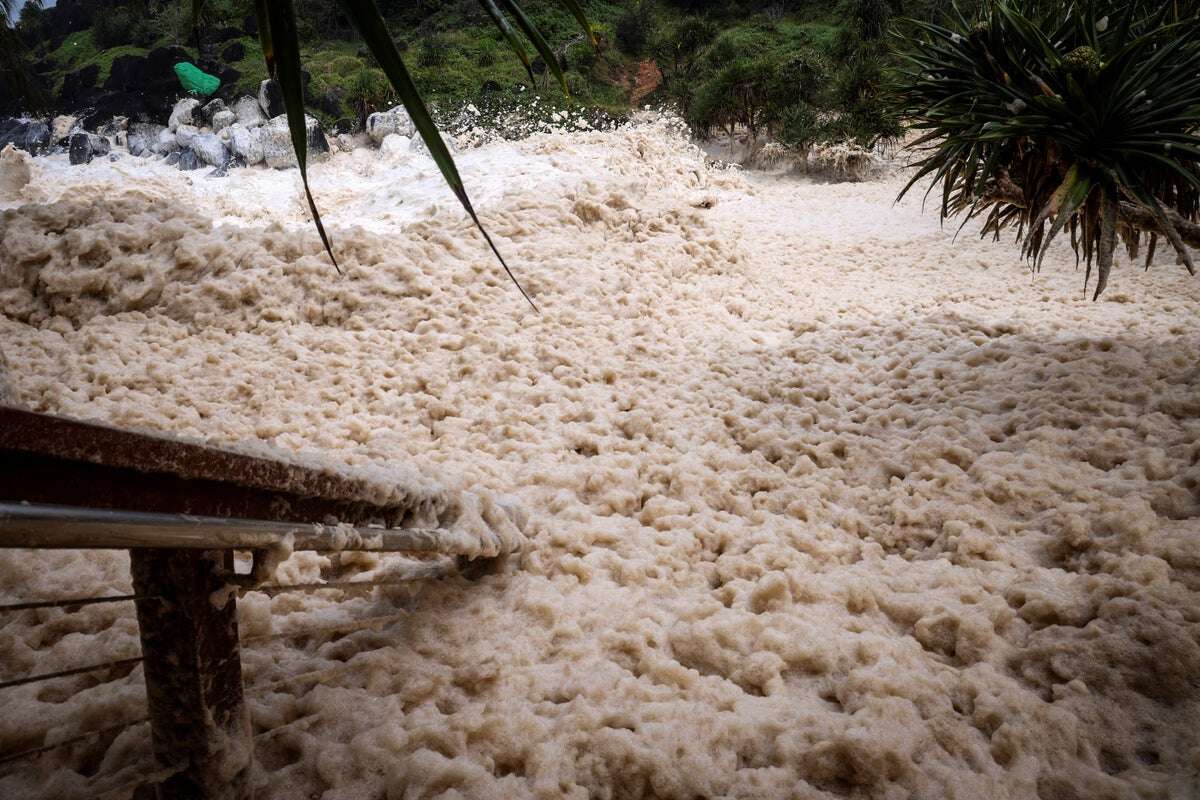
x,y
246,143
345,142
184,113
32,136
248,112
277,142
114,156
185,135
79,85
394,145
223,119
142,138
188,160
61,127
144,87
115,130
210,149
270,98
210,110
420,148
235,51
382,123
86,146
220,172
172,158
166,142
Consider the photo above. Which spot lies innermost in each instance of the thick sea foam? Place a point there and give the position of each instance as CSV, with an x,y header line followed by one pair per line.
x,y
819,502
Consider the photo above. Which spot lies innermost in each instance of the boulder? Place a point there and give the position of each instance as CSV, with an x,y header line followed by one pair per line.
x,y
172,159
394,145
79,86
383,123
185,135
184,113
115,130
61,127
145,86
32,136
210,149
142,138
270,98
420,148
246,143
166,142
86,146
210,110
277,142
188,160
248,112
223,119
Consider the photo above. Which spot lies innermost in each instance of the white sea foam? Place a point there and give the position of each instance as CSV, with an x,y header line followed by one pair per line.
x,y
822,503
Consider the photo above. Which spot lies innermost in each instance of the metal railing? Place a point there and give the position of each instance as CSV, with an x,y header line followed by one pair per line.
x,y
184,583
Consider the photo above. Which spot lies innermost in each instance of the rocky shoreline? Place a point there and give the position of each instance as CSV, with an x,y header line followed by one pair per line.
x,y
198,134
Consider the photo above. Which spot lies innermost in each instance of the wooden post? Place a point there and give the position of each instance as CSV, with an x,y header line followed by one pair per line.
x,y
193,666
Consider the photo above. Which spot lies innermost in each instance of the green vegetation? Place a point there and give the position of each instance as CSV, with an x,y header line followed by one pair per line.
x,y
722,63
1052,117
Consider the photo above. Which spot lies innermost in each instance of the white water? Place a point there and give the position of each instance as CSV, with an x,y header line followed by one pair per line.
x,y
822,503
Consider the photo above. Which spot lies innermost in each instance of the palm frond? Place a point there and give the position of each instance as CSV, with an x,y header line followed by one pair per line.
x,y
1082,118
281,49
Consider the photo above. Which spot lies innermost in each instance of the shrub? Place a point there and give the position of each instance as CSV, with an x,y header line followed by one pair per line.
x,y
1062,120
634,28
112,28
434,51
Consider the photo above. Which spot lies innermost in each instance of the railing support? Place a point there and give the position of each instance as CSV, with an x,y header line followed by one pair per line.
x,y
193,671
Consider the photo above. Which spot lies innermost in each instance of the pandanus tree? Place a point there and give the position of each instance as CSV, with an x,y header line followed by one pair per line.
x,y
281,48
1050,117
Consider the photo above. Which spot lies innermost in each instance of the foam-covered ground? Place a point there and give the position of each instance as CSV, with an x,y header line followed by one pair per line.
x,y
822,503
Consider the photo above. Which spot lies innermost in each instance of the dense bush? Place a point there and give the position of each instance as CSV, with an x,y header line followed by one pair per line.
x,y
633,30
113,28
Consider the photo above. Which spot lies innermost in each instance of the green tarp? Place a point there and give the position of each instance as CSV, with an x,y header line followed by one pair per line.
x,y
195,80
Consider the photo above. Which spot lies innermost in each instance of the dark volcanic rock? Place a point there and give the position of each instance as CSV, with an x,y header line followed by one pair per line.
x,y
146,86
86,146
210,109
270,98
234,51
79,86
31,136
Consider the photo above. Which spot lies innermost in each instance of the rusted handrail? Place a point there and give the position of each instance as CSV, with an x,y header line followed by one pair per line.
x,y
71,528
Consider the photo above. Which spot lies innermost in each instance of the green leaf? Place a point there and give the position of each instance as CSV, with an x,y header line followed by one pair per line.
x,y
370,26
281,16
539,43
264,34
577,10
509,35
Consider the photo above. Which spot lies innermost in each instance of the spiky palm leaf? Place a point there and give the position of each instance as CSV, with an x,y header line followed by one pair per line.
x,y
1082,118
281,49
